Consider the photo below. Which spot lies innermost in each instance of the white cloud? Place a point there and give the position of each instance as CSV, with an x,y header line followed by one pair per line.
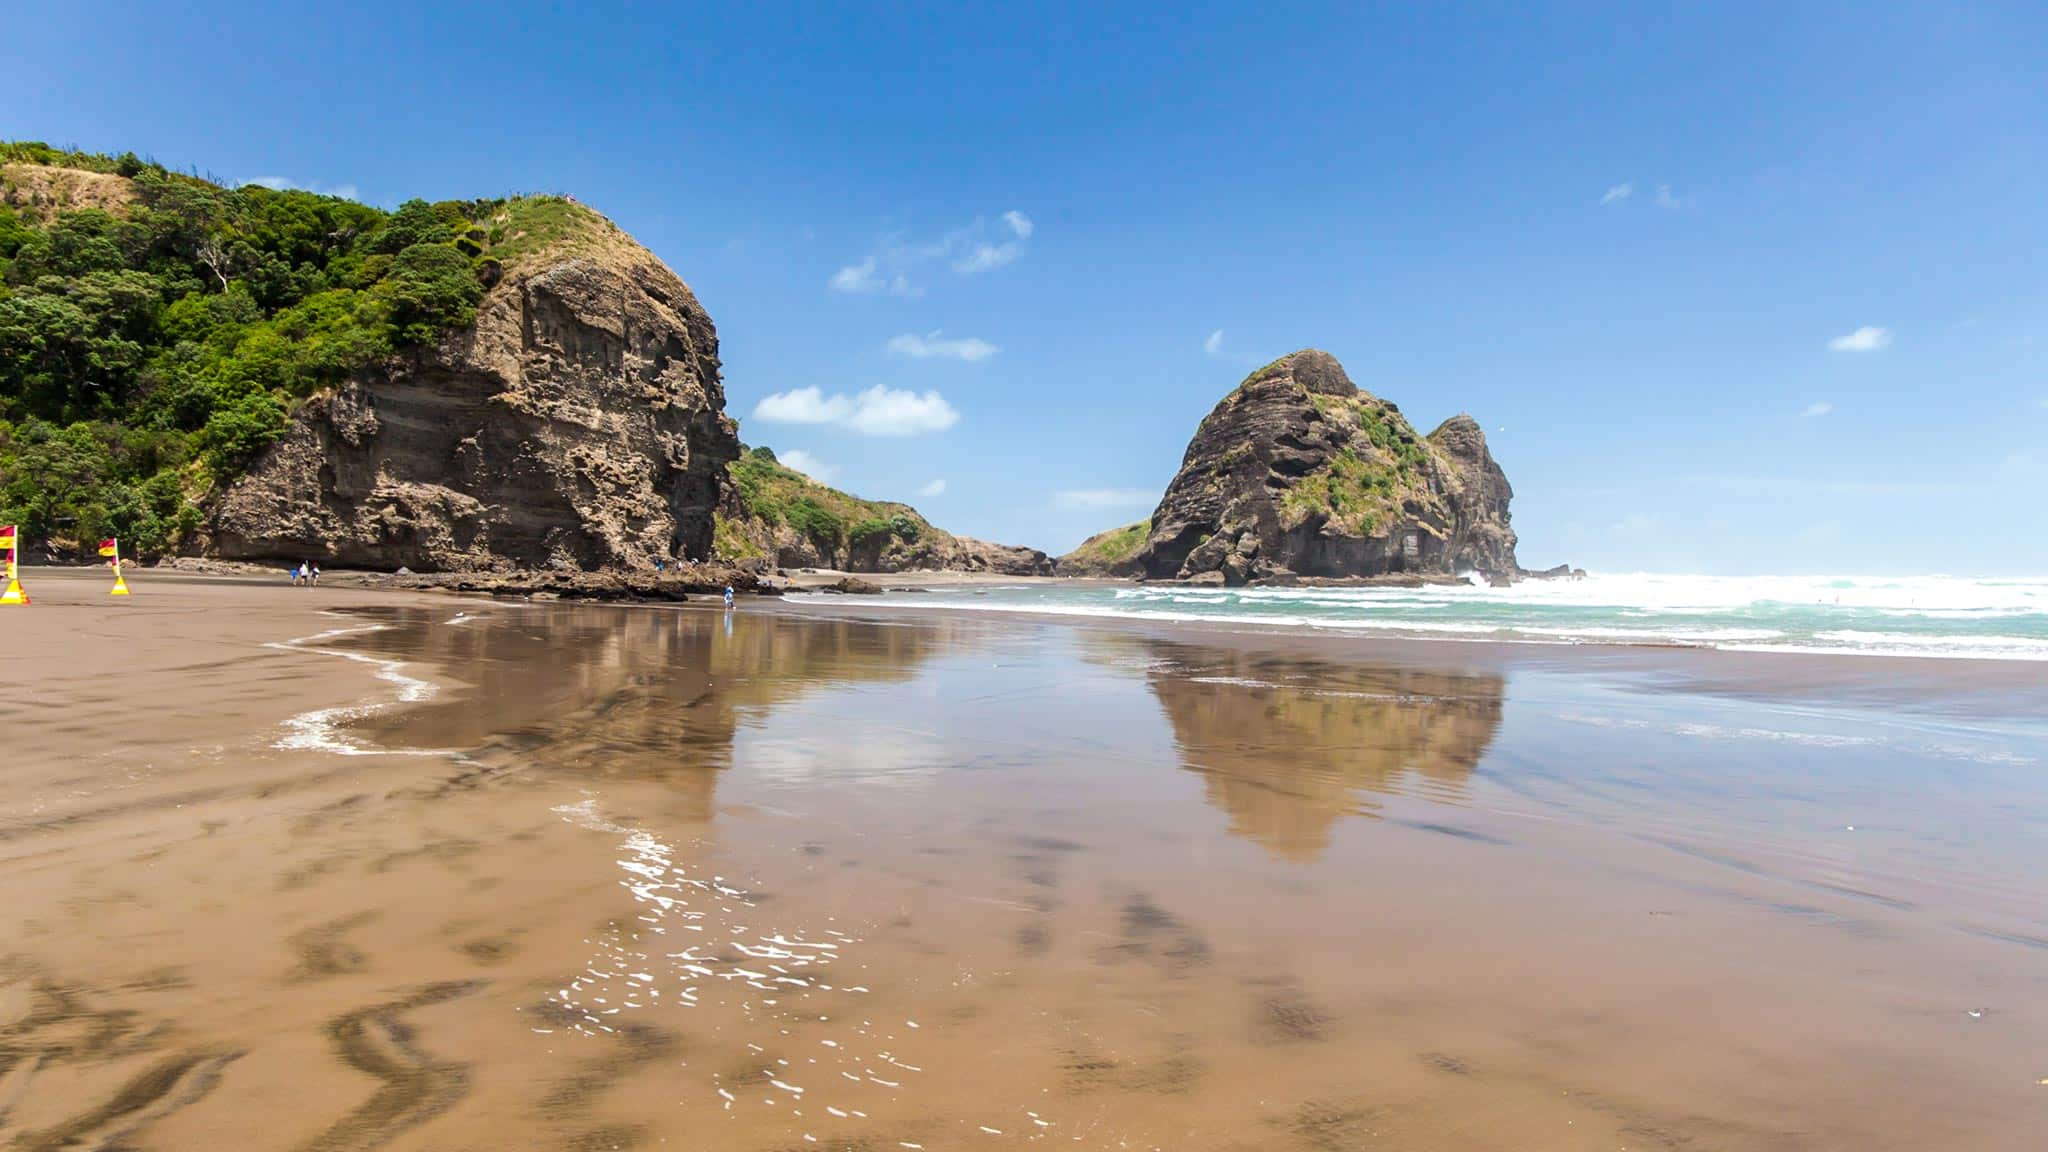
x,y
1213,346
934,346
879,411
1619,193
799,460
1819,408
934,488
883,411
1106,498
1865,339
803,406
1666,198
280,183
977,247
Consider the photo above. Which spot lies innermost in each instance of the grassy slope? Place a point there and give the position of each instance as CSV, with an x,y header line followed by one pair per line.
x,y
770,495
1364,486
1101,553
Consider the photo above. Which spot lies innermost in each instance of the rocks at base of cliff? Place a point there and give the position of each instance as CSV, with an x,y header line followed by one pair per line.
x,y
853,585
1300,473
971,555
579,425
678,583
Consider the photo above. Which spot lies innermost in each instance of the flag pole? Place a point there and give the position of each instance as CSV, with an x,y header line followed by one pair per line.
x,y
14,594
120,581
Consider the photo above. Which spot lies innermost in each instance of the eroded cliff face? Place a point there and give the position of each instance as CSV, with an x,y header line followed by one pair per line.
x,y
579,424
1299,473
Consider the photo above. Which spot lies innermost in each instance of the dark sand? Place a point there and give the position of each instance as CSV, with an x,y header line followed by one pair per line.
x,y
818,877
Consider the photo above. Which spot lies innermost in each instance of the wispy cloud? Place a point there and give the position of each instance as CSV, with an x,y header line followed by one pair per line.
x,y
1667,199
934,345
1868,338
280,183
933,488
866,278
879,411
1106,498
895,260
1819,408
801,461
985,254
1213,346
1618,193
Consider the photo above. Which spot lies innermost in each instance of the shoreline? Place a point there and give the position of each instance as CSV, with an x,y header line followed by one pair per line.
x,y
1981,688
1991,688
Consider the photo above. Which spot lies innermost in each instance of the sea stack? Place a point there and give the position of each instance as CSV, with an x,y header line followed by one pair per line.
x,y
1299,473
579,424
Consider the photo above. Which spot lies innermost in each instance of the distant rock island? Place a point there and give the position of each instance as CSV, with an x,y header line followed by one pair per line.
x,y
1298,474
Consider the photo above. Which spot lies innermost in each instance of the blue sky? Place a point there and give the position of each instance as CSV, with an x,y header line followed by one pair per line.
x,y
1732,288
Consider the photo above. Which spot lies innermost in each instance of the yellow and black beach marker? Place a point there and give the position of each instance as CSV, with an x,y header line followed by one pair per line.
x,y
14,594
111,546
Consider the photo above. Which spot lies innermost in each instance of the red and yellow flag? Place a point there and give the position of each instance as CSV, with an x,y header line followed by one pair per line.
x,y
7,537
110,547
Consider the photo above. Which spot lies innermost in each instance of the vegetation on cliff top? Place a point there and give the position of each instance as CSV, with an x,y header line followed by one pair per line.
x,y
156,328
1103,551
770,495
1363,486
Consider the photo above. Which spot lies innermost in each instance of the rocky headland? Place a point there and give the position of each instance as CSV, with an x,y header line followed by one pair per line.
x,y
579,424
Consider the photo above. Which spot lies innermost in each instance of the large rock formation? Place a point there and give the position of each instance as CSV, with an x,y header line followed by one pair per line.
x,y
579,424
1299,473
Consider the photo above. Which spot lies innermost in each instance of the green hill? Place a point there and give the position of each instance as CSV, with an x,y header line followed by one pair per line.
x,y
157,328
1106,553
779,516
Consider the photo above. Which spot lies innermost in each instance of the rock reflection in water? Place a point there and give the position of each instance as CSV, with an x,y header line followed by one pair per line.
x,y
1285,744
597,693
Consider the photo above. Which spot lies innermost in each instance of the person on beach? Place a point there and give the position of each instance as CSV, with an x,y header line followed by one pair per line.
x,y
313,576
728,596
298,574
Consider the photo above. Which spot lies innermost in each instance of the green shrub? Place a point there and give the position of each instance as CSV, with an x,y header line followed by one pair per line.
x,y
825,529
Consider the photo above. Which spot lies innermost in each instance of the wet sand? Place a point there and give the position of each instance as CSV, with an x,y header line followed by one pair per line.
x,y
337,869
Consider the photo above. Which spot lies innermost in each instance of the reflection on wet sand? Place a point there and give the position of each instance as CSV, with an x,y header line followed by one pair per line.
x,y
1286,745
769,881
598,694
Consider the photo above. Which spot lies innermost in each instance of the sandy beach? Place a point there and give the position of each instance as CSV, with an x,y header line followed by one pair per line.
x,y
350,869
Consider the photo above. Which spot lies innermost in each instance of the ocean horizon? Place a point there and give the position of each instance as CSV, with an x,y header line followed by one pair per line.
x,y
1955,617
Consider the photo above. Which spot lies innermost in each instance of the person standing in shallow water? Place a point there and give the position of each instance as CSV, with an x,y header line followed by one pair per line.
x,y
728,596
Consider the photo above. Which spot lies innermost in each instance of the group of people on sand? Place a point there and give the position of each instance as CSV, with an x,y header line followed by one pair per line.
x,y
306,575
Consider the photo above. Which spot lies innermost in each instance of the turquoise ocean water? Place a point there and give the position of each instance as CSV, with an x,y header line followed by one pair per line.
x,y
1918,616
